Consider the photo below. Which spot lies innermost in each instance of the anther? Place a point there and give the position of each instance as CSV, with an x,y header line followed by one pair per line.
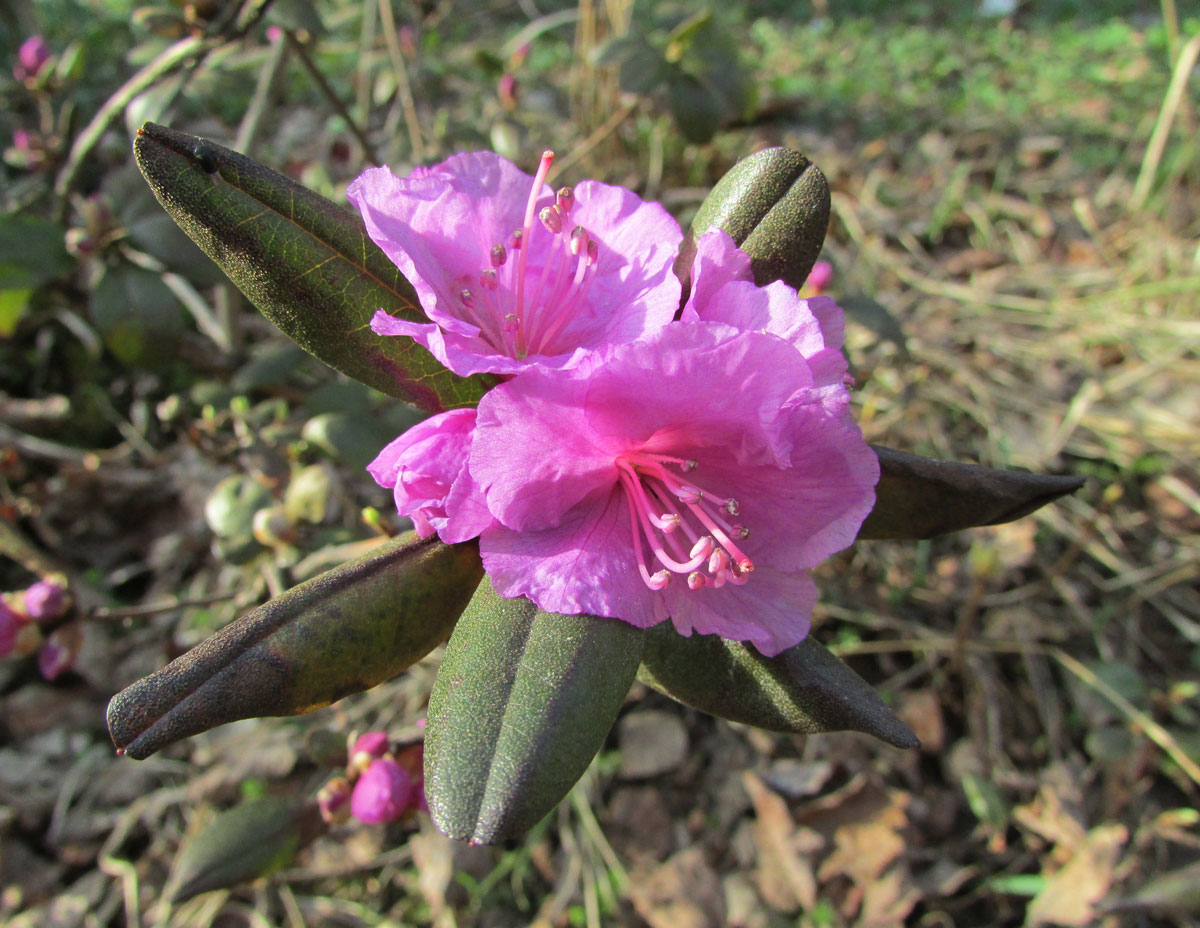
x,y
732,507
516,240
579,240
593,251
689,494
689,464
565,199
671,521
718,562
697,580
551,218
499,255
703,547
740,530
659,579
489,279
467,299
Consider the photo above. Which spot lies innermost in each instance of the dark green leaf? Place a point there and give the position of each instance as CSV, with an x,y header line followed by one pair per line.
x,y
307,264
921,497
522,702
138,315
696,108
241,844
344,631
32,252
775,206
804,690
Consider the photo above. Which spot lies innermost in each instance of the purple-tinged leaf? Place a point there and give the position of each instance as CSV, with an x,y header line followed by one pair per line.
x,y
344,631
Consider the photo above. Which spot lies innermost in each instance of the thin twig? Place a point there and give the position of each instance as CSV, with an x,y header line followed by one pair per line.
x,y
193,47
252,120
1162,128
103,613
331,95
583,148
407,103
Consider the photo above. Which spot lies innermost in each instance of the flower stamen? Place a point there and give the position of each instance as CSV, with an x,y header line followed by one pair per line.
x,y
661,507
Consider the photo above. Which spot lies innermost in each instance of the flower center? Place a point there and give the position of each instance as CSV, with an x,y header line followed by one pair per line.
x,y
685,527
520,309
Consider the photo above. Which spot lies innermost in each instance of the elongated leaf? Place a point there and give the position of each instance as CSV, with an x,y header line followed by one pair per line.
x,y
307,264
803,690
344,631
921,497
241,844
522,702
775,206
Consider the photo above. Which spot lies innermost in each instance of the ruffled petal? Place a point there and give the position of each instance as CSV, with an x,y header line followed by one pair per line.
x,y
582,565
773,611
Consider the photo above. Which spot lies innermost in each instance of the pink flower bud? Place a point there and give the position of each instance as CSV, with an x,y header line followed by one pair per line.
x,y
333,800
373,743
58,653
10,623
382,794
31,58
408,41
45,601
508,89
819,278
274,34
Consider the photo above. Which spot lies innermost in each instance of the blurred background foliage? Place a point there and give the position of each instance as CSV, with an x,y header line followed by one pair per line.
x,y
1016,211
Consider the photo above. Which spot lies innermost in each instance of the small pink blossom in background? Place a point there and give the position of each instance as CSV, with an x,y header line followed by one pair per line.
x,y
10,624
383,793
819,278
333,801
58,653
274,34
32,56
512,275
507,90
45,601
408,41
374,744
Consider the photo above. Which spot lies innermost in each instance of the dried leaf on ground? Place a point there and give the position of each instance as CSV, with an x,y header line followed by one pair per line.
x,y
785,853
1071,894
684,892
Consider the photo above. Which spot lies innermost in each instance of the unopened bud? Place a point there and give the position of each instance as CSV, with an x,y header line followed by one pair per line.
x,y
45,601
382,794
10,624
333,801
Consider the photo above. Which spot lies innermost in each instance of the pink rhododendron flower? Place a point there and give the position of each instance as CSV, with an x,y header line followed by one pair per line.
x,y
383,793
373,743
695,474
512,275
426,468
